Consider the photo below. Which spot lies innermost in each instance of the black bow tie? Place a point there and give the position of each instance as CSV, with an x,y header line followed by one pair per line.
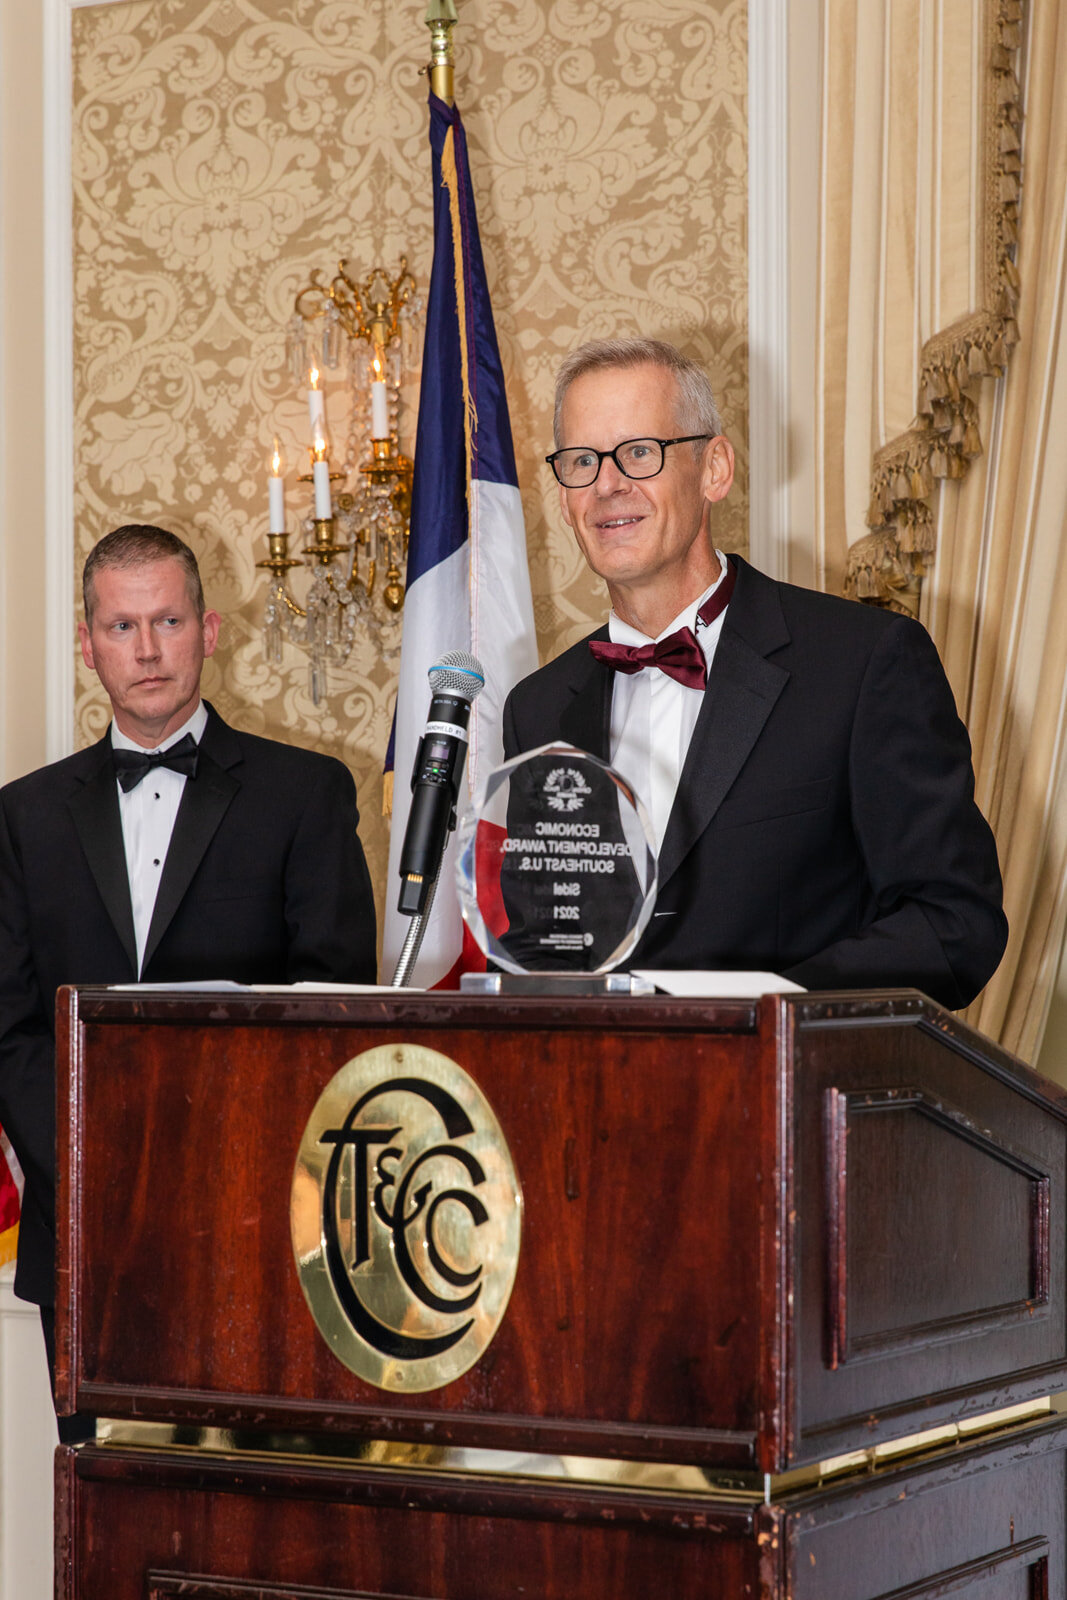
x,y
132,765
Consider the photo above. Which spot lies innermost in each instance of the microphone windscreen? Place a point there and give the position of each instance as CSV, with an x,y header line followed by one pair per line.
x,y
457,673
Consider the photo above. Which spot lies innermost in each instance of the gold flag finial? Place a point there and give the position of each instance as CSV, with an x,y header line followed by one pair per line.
x,y
441,19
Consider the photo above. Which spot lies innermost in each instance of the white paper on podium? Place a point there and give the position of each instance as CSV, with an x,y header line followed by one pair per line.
x,y
228,986
215,985
719,985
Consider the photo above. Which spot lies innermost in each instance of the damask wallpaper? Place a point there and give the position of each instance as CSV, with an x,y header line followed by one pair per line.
x,y
223,149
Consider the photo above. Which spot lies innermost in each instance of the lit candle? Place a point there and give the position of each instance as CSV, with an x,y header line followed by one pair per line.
x,y
276,488
379,406
320,472
316,401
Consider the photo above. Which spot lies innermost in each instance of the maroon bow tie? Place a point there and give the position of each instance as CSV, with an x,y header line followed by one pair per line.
x,y
678,655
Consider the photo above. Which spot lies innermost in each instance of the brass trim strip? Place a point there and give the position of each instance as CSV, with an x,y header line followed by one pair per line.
x,y
894,1451
389,1454
653,1478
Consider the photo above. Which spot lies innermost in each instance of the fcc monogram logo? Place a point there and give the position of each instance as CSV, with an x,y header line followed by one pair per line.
x,y
405,1215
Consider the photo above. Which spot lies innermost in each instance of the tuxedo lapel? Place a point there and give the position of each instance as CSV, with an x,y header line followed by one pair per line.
x,y
204,803
743,687
585,720
94,809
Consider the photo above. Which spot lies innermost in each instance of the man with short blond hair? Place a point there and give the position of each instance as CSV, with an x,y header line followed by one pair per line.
x,y
176,848
807,777
138,544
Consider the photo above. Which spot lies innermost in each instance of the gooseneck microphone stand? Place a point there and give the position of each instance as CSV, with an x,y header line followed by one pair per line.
x,y
413,940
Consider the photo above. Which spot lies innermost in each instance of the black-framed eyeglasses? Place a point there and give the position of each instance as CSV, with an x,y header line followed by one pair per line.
x,y
576,467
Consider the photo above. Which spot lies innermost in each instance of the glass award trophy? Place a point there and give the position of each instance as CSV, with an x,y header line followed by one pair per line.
x,y
556,870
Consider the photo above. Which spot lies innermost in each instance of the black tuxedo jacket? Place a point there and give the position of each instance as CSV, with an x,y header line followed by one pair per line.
x,y
264,882
825,825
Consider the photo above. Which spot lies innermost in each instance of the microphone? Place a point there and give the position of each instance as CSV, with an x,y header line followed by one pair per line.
x,y
456,679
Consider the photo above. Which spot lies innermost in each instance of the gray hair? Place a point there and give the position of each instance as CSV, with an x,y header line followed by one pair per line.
x,y
698,412
135,545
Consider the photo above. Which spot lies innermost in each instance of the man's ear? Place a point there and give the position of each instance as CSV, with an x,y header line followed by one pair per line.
x,y
563,506
718,468
211,631
85,639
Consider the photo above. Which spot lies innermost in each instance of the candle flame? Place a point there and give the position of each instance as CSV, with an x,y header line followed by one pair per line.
x,y
313,377
276,459
319,449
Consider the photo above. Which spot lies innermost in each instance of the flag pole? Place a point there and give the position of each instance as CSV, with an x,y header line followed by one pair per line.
x,y
441,19
468,572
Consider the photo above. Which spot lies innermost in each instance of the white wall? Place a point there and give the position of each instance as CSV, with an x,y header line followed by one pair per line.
x,y
27,1425
23,619
28,1440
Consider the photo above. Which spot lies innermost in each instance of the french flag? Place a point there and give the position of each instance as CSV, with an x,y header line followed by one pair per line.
x,y
468,581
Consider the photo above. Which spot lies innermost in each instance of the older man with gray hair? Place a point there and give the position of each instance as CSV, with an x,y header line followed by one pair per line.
x,y
808,779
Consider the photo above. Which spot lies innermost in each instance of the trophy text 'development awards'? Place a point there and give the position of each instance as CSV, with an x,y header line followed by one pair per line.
x,y
557,870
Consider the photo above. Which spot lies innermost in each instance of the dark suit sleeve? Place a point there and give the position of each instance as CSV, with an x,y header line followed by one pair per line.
x,y
329,904
27,1046
935,921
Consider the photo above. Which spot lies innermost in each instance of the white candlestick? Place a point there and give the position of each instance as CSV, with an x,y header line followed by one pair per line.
x,y
316,409
276,490
379,408
321,475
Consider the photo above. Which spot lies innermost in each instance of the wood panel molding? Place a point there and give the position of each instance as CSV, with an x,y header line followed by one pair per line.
x,y
845,1306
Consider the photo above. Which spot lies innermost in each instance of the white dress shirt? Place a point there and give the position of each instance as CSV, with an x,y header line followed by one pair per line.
x,y
148,813
653,715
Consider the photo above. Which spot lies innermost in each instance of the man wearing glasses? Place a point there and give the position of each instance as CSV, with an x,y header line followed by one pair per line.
x,y
807,777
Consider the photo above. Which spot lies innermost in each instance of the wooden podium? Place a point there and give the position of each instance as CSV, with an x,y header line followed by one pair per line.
x,y
757,1236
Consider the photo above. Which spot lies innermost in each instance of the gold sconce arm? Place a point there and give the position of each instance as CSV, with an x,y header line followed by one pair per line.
x,y
366,310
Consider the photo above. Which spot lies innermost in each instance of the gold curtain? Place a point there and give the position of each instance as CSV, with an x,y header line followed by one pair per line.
x,y
999,590
920,286
919,187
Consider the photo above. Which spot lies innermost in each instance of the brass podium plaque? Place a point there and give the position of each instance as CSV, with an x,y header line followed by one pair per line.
x,y
406,1216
